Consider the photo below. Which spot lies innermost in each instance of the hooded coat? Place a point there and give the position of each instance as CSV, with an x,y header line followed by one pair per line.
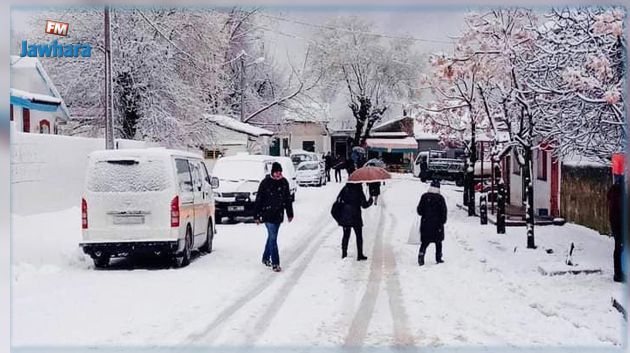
x,y
432,209
352,199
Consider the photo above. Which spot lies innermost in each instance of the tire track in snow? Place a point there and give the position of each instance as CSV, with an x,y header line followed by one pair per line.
x,y
402,333
209,333
363,316
283,292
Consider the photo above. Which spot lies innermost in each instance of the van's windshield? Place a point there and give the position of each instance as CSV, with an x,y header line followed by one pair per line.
x,y
128,175
239,170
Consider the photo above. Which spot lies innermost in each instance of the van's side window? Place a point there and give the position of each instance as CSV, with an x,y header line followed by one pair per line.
x,y
183,175
196,175
204,175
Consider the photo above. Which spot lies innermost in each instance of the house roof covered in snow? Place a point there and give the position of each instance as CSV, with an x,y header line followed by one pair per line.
x,y
24,89
311,113
235,125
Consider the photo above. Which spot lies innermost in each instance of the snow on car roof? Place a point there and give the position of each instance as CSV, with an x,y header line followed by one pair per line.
x,y
249,157
142,152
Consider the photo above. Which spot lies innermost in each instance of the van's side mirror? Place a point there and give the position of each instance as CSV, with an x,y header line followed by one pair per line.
x,y
214,182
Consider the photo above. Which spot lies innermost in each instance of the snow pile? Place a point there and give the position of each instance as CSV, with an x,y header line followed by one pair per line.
x,y
235,125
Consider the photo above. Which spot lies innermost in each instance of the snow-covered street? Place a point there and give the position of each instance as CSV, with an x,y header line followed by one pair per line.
x,y
489,291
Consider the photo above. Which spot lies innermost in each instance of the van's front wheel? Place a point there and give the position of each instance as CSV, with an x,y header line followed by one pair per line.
x,y
207,246
183,259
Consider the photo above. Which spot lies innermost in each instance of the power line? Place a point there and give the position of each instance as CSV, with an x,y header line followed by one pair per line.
x,y
354,31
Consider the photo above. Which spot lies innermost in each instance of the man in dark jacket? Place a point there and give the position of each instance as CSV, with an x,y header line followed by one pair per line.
x,y
352,199
328,162
432,209
615,216
339,164
273,198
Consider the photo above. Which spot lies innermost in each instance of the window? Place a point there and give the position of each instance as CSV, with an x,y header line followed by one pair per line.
x,y
541,164
196,171
204,174
211,154
44,127
183,175
127,175
517,166
308,146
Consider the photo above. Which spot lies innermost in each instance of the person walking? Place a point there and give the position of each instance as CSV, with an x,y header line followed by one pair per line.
x,y
273,198
328,165
348,215
338,166
375,190
432,210
615,200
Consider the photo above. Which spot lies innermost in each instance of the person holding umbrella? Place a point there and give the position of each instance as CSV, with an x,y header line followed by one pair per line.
x,y
347,209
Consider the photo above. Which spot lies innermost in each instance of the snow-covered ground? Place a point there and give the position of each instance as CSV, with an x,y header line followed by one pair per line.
x,y
488,293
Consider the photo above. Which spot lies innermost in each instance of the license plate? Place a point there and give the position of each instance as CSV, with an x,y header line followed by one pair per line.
x,y
236,208
128,219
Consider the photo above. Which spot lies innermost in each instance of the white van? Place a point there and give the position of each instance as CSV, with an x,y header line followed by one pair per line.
x,y
288,171
147,200
239,177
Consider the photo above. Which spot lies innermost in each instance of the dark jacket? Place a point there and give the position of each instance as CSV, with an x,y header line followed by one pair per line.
x,y
375,188
272,199
352,199
614,209
432,209
328,162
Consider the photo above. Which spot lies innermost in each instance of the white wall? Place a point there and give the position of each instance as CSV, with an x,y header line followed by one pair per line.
x,y
47,171
542,189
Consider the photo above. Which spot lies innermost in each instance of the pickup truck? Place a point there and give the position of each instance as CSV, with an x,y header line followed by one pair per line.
x,y
434,165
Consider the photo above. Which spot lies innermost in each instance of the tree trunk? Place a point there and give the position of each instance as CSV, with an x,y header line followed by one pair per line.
x,y
471,172
529,199
500,200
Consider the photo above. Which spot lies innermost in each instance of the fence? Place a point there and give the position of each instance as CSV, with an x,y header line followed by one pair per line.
x,y
583,196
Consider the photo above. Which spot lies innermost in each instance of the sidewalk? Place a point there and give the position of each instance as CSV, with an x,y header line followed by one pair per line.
x,y
515,216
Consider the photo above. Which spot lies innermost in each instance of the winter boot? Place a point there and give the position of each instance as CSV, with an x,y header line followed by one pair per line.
x,y
438,258
276,268
421,259
361,257
266,263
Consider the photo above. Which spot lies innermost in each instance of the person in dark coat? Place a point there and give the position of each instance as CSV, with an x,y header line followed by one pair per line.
x,y
615,216
432,210
328,162
338,165
273,198
352,199
375,190
350,166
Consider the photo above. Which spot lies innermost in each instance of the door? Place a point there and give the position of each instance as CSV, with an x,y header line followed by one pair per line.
x,y
186,195
26,120
555,188
199,210
274,149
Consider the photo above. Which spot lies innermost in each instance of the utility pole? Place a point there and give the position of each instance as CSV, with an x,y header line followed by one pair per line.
x,y
242,83
109,122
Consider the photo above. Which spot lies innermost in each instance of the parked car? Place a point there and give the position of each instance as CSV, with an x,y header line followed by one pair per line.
x,y
147,200
433,165
289,173
239,177
310,173
299,156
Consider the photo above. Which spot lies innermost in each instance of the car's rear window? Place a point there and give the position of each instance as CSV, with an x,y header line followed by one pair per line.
x,y
128,175
308,166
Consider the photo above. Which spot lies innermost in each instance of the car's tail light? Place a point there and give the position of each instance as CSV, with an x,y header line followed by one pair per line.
x,y
175,212
84,210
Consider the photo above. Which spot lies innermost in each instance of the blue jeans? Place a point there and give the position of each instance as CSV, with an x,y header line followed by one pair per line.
x,y
271,248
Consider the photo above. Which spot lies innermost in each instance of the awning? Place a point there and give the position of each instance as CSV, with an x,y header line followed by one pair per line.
x,y
401,145
34,101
